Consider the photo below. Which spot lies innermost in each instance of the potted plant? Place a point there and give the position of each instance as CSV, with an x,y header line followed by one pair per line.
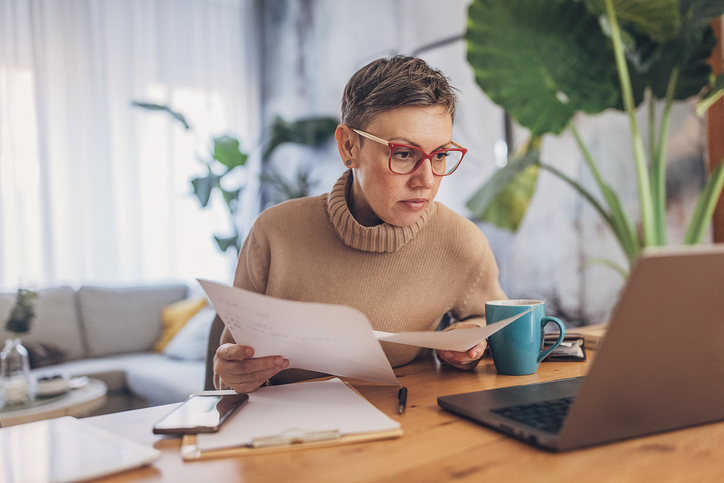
x,y
226,156
14,361
544,62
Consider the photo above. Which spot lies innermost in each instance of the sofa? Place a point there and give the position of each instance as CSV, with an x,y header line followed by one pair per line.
x,y
113,334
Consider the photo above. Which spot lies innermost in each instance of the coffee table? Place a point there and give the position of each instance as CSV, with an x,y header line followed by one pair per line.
x,y
76,402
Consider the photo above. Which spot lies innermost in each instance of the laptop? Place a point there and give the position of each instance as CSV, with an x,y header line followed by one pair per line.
x,y
660,368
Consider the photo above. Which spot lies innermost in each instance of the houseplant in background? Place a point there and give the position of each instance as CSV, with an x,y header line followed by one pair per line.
x,y
543,62
15,374
314,132
227,156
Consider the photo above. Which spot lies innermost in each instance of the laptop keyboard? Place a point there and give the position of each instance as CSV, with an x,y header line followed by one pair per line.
x,y
546,416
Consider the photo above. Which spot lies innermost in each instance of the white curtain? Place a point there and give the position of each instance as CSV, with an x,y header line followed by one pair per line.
x,y
93,190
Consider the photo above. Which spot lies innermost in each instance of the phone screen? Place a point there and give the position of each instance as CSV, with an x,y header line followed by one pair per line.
x,y
200,414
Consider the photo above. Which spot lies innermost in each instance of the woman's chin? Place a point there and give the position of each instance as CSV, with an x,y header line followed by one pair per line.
x,y
408,219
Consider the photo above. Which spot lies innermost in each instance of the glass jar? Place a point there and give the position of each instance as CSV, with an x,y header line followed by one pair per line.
x,y
15,373
2,392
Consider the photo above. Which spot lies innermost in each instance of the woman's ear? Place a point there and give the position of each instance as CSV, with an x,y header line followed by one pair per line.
x,y
348,145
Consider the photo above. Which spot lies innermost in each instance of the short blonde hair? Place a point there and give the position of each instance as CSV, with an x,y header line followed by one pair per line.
x,y
393,82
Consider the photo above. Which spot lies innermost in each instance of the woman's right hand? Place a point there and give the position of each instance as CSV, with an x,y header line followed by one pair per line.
x,y
237,368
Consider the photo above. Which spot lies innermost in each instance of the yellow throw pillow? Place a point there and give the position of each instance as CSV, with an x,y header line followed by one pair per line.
x,y
173,318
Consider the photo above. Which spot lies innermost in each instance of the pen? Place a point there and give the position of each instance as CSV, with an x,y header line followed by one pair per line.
x,y
402,400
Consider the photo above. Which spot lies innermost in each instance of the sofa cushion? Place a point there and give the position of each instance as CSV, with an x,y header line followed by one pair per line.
x,y
121,320
42,354
56,321
174,318
192,341
160,379
152,377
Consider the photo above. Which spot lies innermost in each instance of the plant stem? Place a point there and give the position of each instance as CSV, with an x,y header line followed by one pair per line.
x,y
606,263
587,156
705,207
619,220
647,217
607,217
652,122
583,192
658,164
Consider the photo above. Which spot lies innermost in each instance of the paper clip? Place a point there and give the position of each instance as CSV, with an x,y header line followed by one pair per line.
x,y
294,436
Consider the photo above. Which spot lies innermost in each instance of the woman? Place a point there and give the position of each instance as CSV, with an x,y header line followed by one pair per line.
x,y
377,242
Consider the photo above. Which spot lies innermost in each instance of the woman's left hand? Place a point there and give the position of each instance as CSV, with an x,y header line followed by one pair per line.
x,y
464,360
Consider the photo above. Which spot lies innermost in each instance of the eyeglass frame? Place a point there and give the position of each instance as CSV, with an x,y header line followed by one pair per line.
x,y
429,156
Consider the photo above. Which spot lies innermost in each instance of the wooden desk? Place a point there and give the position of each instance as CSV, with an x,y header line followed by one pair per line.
x,y
438,446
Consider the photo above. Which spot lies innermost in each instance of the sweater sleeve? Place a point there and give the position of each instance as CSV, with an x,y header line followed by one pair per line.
x,y
252,273
483,285
252,268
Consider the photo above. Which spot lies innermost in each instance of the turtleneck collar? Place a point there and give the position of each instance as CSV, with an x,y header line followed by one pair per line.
x,y
380,238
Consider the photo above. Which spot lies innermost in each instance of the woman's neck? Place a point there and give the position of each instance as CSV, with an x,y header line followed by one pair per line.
x,y
359,208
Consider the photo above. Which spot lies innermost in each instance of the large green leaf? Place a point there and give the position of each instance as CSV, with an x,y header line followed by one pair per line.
x,y
541,61
313,132
508,209
699,13
690,54
688,51
656,18
227,152
503,199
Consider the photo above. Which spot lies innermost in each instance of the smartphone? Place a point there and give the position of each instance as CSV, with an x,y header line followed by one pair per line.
x,y
200,414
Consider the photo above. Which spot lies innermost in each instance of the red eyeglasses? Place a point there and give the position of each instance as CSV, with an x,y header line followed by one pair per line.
x,y
405,159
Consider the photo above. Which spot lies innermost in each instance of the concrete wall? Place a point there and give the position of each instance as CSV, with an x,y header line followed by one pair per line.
x,y
311,48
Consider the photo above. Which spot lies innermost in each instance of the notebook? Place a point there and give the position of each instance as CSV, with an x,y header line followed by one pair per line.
x,y
660,367
66,449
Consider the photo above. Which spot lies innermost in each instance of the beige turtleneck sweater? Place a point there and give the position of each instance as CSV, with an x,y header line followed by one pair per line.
x,y
402,278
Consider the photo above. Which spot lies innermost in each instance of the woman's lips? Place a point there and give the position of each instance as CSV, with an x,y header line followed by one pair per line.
x,y
415,204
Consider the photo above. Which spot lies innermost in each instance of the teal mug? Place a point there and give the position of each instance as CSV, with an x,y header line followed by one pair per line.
x,y
518,347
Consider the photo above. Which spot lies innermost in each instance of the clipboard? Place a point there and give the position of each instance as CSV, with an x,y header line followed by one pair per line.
x,y
311,415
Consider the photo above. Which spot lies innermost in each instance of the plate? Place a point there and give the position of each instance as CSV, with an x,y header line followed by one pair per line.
x,y
49,386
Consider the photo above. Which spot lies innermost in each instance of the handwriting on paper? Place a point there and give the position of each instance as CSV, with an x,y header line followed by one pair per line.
x,y
332,339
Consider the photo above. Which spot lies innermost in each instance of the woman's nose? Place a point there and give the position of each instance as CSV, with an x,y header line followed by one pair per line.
x,y
423,177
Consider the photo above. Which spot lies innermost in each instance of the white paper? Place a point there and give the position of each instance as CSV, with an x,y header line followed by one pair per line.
x,y
453,340
301,408
333,339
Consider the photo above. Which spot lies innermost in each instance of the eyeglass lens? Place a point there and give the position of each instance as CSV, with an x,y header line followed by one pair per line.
x,y
404,160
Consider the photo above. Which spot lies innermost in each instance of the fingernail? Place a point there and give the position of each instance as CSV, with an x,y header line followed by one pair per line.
x,y
475,354
449,355
248,352
278,361
286,364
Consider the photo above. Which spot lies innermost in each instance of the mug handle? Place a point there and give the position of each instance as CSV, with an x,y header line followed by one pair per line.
x,y
545,321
